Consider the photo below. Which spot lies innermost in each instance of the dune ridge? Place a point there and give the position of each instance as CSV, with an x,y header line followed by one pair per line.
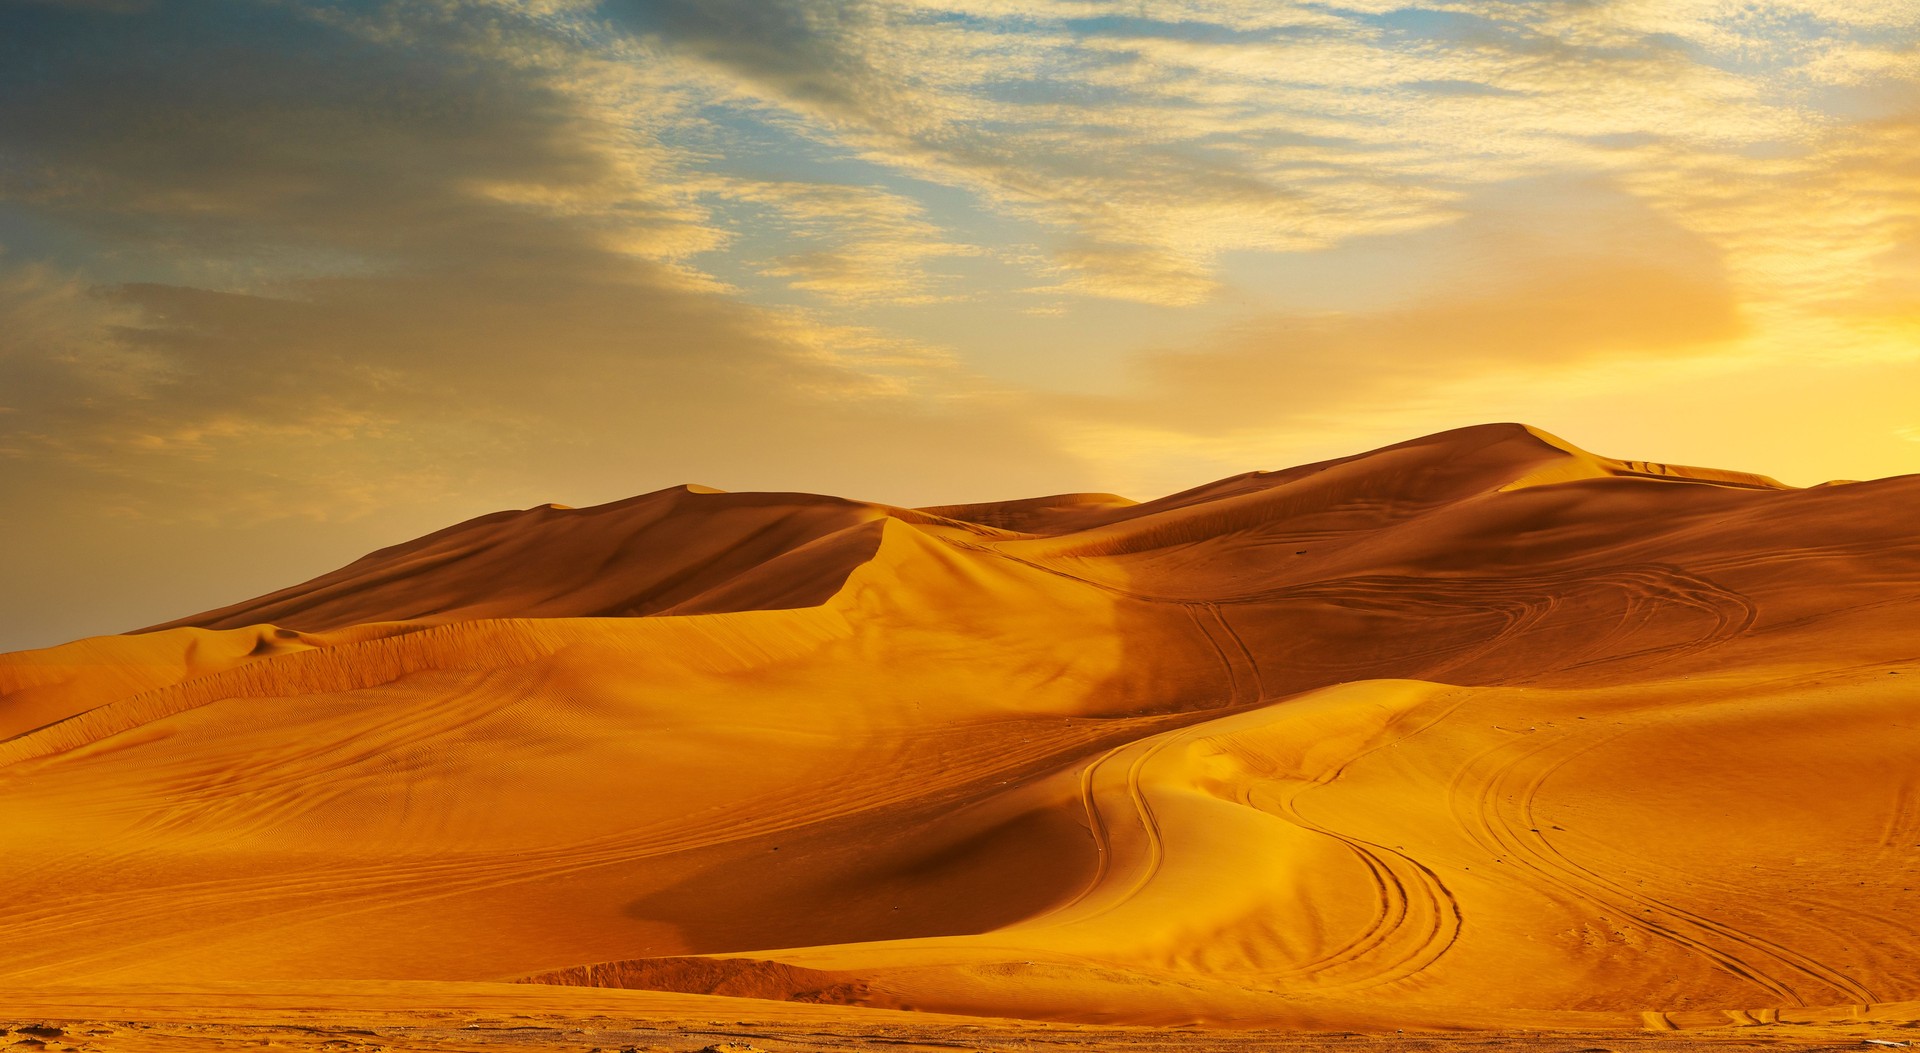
x,y
1476,730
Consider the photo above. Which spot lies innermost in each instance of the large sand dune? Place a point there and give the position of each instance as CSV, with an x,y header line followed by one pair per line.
x,y
1476,730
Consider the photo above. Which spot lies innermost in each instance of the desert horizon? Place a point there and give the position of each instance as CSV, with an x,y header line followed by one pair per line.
x,y
836,526
1476,732
281,284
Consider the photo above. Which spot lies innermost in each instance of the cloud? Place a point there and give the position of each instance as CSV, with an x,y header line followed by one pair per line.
x,y
1564,276
1153,141
802,52
343,393
297,269
109,6
846,243
264,133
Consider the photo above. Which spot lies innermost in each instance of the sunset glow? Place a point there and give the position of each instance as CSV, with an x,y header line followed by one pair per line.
x,y
284,283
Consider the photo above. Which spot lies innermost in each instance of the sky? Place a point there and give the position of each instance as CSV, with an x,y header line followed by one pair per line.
x,y
282,283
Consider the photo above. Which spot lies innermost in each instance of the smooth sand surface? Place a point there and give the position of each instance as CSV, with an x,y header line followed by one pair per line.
x,y
1477,731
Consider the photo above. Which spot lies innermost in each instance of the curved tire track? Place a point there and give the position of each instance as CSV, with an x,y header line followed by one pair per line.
x,y
1515,838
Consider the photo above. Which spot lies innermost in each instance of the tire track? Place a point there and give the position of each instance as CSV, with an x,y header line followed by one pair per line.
x,y
400,884
1097,826
1143,813
1476,813
1200,625
1734,950
1524,603
1240,643
1902,830
1662,875
1734,613
1410,901
1681,916
1413,906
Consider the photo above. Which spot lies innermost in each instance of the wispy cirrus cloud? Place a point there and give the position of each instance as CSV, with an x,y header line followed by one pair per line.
x,y
849,244
1151,141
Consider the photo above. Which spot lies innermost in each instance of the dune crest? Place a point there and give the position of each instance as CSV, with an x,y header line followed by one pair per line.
x,y
1475,730
1580,464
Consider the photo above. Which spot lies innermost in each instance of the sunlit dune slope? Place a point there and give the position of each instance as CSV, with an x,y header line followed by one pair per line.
x,y
1478,729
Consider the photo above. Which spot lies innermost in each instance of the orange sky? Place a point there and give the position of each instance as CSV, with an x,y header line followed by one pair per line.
x,y
279,285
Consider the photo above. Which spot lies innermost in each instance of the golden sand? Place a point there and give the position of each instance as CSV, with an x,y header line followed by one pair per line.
x,y
1477,731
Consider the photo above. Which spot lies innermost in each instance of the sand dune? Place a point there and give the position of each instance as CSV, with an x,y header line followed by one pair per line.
x,y
646,555
1475,730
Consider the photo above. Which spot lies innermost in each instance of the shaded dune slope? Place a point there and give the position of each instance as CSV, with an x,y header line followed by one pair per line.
x,y
646,555
1478,728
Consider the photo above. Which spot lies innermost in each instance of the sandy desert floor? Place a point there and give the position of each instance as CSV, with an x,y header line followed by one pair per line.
x,y
1478,736
437,1017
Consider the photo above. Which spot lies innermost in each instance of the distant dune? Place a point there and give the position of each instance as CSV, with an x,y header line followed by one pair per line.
x,y
1477,730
